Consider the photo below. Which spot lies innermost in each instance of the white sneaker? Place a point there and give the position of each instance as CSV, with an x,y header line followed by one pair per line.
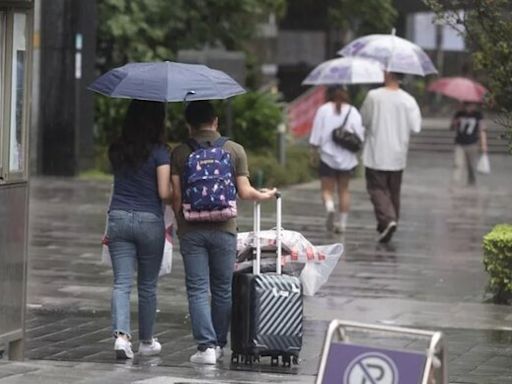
x,y
150,349
208,356
219,353
123,348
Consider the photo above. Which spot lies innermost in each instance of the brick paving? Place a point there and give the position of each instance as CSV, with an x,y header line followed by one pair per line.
x,y
430,276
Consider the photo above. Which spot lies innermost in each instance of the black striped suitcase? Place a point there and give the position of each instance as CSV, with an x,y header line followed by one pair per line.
x,y
267,310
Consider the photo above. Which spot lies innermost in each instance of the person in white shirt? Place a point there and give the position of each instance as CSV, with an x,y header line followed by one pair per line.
x,y
336,164
390,115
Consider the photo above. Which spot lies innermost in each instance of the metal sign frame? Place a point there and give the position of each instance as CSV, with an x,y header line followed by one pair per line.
x,y
436,347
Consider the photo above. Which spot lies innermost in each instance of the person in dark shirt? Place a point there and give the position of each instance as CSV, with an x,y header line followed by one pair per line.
x,y
469,139
140,162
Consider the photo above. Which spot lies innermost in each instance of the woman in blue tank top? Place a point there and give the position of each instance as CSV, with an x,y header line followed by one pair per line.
x,y
136,232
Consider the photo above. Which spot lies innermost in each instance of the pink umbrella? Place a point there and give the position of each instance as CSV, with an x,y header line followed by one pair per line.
x,y
460,88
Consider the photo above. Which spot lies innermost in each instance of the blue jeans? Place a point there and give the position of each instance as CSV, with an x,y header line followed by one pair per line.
x,y
135,241
209,260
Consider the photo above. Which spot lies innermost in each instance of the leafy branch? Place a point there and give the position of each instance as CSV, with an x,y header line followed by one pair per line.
x,y
487,26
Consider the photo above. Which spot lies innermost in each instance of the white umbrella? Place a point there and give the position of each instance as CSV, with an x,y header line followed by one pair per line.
x,y
346,70
393,52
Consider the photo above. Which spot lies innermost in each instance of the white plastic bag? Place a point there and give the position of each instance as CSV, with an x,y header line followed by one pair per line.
x,y
315,274
315,263
166,266
295,246
484,166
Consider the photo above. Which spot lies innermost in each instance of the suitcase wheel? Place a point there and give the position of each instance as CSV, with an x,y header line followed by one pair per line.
x,y
295,360
249,359
287,360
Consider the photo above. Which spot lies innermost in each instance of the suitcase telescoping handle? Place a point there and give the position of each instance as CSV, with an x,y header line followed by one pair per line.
x,y
257,229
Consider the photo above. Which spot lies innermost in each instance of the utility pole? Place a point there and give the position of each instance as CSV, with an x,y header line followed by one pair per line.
x,y
87,11
68,52
439,48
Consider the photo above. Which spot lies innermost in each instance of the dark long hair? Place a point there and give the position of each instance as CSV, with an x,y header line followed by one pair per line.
x,y
143,128
339,95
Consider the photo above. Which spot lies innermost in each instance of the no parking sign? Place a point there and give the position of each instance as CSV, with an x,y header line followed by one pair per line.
x,y
355,364
345,363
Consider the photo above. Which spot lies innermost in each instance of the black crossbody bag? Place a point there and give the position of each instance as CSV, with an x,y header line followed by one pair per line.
x,y
346,139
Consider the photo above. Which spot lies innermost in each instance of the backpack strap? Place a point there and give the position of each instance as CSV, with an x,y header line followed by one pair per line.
x,y
219,143
346,117
195,145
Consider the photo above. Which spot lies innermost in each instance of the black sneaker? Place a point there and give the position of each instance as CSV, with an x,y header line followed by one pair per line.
x,y
387,233
329,222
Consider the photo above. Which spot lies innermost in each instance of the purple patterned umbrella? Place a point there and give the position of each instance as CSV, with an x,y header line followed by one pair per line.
x,y
393,52
346,70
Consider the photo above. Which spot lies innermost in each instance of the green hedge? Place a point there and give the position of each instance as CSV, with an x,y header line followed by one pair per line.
x,y
266,171
497,246
264,168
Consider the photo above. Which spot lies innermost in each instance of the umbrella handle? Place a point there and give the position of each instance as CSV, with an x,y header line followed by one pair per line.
x,y
188,93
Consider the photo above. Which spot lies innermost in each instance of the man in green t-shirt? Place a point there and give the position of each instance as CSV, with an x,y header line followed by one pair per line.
x,y
209,248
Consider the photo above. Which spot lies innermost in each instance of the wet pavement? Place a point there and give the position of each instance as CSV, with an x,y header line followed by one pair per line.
x,y
430,276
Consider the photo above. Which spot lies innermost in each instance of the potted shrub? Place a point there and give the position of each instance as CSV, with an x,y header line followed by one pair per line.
x,y
497,246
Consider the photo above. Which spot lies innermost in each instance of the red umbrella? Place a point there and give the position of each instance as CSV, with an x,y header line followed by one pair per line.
x,y
460,88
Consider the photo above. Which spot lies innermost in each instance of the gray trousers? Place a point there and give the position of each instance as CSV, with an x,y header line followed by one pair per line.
x,y
464,164
384,190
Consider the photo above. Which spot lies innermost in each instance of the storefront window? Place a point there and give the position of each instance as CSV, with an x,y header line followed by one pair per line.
x,y
16,140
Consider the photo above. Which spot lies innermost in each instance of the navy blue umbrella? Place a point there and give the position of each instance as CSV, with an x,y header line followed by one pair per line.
x,y
166,81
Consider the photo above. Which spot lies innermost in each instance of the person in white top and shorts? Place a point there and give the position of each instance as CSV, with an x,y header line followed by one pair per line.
x,y
335,163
